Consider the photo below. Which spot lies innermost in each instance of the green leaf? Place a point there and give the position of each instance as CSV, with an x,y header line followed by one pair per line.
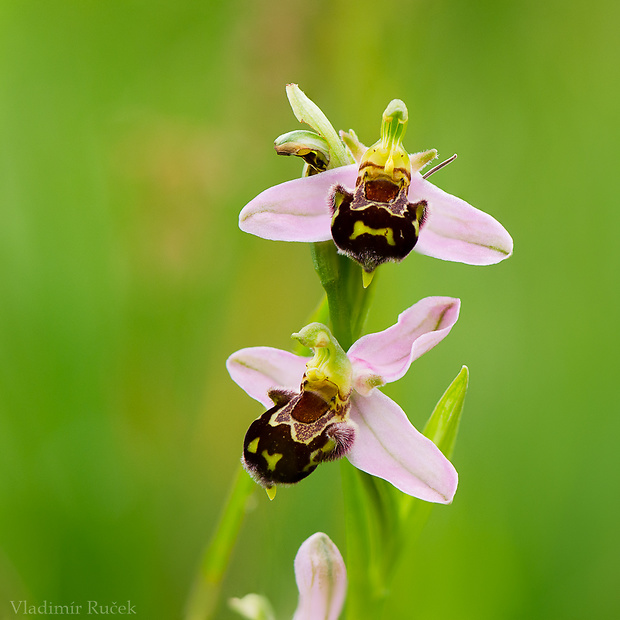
x,y
443,425
382,523
441,428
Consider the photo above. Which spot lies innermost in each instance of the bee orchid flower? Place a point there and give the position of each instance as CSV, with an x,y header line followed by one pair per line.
x,y
329,406
377,210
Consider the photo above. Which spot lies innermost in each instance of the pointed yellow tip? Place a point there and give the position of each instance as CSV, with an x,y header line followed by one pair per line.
x,y
271,492
367,277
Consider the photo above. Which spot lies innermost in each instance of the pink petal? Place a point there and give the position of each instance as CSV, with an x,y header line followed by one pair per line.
x,y
296,210
456,231
388,446
321,578
385,356
260,369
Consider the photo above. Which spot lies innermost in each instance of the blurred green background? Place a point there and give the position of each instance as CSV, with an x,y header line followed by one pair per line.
x,y
131,134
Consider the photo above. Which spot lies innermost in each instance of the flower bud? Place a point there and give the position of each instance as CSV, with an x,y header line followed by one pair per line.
x,y
321,578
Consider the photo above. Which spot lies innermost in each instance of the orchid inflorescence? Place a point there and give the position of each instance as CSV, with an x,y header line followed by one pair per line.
x,y
370,206
329,406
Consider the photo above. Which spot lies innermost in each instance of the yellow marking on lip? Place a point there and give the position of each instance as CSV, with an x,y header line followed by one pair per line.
x,y
272,459
360,228
253,445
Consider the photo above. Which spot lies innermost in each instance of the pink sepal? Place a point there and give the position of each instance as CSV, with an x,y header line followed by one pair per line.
x,y
296,210
260,369
456,231
388,446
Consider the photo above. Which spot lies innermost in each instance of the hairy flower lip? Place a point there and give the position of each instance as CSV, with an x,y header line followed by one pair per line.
x,y
386,444
454,230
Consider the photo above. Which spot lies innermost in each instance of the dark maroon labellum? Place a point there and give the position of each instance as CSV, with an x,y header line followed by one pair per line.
x,y
287,442
376,223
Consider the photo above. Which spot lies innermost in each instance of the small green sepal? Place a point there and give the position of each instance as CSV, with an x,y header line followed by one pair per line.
x,y
367,277
419,160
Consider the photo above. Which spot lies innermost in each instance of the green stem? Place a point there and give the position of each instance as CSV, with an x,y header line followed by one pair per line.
x,y
366,590
348,301
205,592
329,267
360,298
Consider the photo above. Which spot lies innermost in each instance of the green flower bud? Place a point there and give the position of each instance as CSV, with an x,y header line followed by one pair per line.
x,y
253,607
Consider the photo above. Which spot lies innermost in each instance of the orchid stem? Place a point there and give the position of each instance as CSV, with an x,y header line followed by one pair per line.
x,y
348,301
205,593
328,265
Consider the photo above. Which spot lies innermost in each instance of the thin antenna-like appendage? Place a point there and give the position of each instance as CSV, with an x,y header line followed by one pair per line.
x,y
439,166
